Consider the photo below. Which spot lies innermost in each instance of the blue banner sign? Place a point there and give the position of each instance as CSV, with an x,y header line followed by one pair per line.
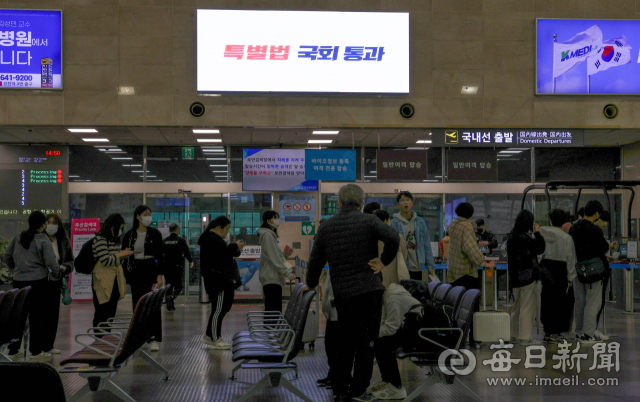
x,y
330,164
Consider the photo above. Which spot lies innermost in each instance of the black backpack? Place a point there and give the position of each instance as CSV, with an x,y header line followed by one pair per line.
x,y
430,317
85,262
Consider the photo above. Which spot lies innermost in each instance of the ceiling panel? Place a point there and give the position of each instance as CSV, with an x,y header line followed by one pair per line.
x,y
265,137
178,136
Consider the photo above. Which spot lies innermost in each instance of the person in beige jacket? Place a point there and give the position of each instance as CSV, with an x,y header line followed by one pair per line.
x,y
397,270
108,282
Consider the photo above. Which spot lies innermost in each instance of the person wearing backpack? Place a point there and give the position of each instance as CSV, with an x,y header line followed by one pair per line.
x,y
524,272
31,259
591,247
558,271
397,302
107,277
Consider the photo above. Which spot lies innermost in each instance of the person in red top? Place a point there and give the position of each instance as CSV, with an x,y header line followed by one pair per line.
x,y
443,247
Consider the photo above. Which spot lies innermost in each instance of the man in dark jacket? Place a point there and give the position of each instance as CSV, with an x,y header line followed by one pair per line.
x,y
176,250
349,243
486,240
590,245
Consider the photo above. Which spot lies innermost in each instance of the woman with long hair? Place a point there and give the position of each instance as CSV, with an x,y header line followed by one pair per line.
x,y
523,250
64,255
146,268
220,274
108,283
273,272
31,258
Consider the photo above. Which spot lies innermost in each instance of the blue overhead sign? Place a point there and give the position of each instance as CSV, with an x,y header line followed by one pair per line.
x,y
330,164
31,49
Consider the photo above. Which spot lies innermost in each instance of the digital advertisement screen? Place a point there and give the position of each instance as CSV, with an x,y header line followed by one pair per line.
x,y
33,178
275,170
303,51
588,57
31,49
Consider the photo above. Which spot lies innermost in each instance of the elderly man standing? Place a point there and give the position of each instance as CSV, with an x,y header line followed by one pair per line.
x,y
349,243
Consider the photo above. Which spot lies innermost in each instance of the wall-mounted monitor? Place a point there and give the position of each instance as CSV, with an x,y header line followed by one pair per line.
x,y
302,51
30,49
275,170
590,57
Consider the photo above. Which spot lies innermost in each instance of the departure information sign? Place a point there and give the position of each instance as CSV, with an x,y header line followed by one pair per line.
x,y
31,49
508,138
33,178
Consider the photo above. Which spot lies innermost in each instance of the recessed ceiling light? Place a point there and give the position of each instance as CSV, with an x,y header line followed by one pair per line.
x,y
95,140
325,132
82,130
222,177
469,90
205,131
320,141
209,140
126,91
423,142
509,152
115,159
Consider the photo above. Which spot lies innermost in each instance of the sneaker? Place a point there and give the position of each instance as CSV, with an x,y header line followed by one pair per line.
x,y
600,336
16,356
54,351
379,386
154,346
41,356
587,340
366,397
554,338
391,392
222,344
207,341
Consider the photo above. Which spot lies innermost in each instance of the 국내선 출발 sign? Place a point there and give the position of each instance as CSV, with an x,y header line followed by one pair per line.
x,y
31,49
587,56
507,138
302,51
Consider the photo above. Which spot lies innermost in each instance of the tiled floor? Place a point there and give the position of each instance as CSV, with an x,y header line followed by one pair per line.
x,y
198,374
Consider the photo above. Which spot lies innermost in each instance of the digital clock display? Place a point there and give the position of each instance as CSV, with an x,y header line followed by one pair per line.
x,y
53,153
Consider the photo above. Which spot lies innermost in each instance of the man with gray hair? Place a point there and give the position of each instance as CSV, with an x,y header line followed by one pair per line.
x,y
349,243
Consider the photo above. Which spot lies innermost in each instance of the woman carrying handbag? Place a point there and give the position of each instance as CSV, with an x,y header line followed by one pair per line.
x,y
524,272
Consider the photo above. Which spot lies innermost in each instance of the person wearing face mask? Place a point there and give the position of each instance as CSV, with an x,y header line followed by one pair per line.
x,y
64,255
145,270
220,275
32,260
272,272
486,240
108,283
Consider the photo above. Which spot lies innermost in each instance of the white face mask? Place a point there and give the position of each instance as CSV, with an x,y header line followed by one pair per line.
x,y
146,220
52,229
276,223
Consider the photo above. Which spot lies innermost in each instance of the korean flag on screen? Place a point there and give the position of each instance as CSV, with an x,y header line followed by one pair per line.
x,y
613,53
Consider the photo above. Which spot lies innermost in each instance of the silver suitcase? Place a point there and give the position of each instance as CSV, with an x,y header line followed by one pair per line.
x,y
491,326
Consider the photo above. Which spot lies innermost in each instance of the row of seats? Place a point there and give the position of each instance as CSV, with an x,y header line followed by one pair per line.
x,y
112,345
271,343
13,318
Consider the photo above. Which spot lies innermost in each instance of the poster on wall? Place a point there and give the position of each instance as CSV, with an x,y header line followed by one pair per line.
x,y
297,208
302,51
587,57
82,230
275,170
31,49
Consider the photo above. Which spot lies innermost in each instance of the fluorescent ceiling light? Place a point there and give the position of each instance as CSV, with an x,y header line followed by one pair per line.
x,y
81,180
469,90
423,142
126,91
114,150
110,153
132,165
211,146
217,171
115,159
73,176
222,177
432,181
417,148
139,171
325,132
209,94
209,140
374,171
217,165
95,140
148,176
205,131
82,130
372,176
320,141
216,159
509,152
102,147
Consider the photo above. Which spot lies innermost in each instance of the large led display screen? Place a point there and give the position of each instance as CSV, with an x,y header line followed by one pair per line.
x,y
31,49
587,56
33,178
275,170
303,51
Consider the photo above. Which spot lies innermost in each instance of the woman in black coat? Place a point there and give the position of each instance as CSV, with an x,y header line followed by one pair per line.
x,y
221,276
523,250
144,269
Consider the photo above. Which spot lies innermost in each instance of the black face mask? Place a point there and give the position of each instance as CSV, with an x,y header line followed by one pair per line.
x,y
479,231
